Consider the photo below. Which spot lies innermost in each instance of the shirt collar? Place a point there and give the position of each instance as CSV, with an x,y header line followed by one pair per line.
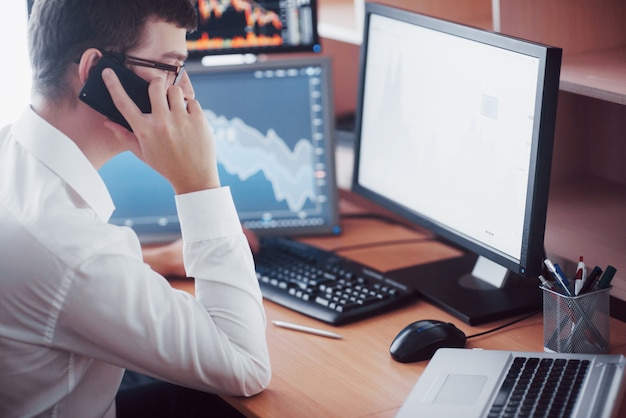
x,y
61,155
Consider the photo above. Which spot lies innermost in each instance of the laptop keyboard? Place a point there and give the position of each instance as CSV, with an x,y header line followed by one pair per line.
x,y
323,285
537,387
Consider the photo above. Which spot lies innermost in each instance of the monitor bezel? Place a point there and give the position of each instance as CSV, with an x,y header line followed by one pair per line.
x,y
530,262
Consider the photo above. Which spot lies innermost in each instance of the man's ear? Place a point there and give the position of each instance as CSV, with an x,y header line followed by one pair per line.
x,y
87,61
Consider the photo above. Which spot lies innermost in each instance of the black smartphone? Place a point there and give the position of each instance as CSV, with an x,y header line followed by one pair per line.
x,y
95,93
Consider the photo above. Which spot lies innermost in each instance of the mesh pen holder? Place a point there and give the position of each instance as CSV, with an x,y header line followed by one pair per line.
x,y
576,324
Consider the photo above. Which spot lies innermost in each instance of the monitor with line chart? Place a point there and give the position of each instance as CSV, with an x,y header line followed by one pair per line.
x,y
272,124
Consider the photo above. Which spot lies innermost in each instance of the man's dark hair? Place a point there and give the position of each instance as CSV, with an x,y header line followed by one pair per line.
x,y
61,30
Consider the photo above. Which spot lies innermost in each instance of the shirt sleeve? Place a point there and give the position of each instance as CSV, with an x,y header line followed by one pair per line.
x,y
214,342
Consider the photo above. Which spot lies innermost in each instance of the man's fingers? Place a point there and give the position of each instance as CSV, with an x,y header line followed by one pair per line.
x,y
158,96
122,101
194,107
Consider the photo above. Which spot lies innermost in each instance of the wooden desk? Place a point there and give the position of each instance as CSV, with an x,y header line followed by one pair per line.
x,y
355,377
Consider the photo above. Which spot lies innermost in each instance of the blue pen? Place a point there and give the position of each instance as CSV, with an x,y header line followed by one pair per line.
x,y
559,279
562,274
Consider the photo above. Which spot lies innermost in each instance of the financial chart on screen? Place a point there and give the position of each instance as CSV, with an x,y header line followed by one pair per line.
x,y
272,136
273,132
254,27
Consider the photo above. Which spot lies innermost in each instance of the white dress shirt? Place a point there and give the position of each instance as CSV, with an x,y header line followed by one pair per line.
x,y
78,305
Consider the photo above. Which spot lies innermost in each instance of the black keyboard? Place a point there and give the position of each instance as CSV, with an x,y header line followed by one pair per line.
x,y
537,387
323,285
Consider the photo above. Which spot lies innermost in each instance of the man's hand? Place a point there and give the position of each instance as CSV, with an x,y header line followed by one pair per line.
x,y
175,139
167,259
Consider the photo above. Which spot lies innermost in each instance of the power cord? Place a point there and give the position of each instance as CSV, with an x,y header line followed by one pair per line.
x,y
505,325
390,220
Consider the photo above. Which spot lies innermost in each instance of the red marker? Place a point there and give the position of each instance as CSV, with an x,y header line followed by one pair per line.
x,y
581,275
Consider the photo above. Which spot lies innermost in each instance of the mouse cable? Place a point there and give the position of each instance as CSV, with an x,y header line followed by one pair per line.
x,y
505,325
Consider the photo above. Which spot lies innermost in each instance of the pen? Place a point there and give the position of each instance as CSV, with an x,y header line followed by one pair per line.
x,y
562,274
581,274
591,279
560,279
546,284
309,330
605,281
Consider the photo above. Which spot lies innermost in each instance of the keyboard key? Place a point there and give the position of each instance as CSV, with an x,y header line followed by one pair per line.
x,y
539,388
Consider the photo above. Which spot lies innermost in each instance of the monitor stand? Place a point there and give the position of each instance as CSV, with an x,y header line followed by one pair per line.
x,y
450,285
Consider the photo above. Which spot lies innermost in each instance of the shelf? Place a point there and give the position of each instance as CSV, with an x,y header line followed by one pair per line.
x,y
585,218
341,20
598,74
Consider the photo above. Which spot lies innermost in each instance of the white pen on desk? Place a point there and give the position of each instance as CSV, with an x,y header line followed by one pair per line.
x,y
309,330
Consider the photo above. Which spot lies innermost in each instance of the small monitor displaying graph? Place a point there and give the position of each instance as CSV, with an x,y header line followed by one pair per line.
x,y
272,124
254,27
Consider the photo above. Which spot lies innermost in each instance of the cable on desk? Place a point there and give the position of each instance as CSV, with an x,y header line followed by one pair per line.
x,y
505,325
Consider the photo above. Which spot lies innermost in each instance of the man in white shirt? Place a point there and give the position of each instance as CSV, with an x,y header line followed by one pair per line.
x,y
78,305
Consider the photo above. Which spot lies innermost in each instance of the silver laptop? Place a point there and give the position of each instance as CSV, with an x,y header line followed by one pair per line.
x,y
473,383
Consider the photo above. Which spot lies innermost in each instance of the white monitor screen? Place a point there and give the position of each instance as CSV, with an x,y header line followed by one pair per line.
x,y
454,133
446,133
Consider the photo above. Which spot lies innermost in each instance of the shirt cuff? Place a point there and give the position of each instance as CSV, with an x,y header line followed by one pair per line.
x,y
207,214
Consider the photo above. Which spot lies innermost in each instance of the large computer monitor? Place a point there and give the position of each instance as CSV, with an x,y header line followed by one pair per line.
x,y
273,128
455,130
254,27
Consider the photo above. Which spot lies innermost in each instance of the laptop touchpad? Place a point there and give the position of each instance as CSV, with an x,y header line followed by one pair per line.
x,y
457,389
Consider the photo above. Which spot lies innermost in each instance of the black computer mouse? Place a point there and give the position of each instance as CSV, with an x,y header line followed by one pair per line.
x,y
419,341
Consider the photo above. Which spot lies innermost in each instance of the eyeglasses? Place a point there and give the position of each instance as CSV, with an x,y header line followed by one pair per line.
x,y
178,70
